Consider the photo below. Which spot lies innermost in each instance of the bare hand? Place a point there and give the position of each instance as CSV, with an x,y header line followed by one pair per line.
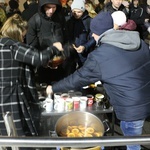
x,y
58,45
79,49
146,20
49,90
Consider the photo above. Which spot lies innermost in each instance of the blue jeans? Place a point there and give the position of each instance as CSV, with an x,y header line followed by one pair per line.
x,y
132,128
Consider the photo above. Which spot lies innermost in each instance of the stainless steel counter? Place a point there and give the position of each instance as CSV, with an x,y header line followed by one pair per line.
x,y
49,119
94,110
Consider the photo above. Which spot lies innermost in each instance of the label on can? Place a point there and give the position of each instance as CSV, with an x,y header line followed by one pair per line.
x,y
90,99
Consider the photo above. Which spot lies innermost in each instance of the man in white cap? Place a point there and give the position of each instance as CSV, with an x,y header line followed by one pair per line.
x,y
122,23
78,34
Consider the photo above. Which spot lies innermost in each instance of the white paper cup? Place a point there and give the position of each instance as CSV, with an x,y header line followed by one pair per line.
x,y
83,102
48,105
59,105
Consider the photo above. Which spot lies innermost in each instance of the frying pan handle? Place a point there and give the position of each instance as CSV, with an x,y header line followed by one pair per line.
x,y
106,122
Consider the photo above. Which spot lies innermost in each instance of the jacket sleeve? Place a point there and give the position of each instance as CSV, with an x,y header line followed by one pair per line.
x,y
90,45
32,33
27,54
87,74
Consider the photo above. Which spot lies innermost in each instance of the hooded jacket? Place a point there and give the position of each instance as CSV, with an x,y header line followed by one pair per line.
x,y
123,66
31,9
43,31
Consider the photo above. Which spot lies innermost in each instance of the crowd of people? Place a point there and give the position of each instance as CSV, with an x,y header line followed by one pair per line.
x,y
98,42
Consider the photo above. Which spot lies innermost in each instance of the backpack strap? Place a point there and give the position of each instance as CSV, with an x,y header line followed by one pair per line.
x,y
38,24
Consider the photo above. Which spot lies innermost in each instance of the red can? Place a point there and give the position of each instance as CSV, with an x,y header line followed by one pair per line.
x,y
90,100
76,102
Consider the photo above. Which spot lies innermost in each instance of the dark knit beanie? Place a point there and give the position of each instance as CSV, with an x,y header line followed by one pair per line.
x,y
101,1
13,4
101,23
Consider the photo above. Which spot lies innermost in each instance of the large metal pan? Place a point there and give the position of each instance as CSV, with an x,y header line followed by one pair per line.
x,y
77,120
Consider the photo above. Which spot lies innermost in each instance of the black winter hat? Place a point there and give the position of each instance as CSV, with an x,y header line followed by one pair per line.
x,y
13,4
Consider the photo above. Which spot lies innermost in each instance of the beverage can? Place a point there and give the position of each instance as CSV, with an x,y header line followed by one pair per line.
x,y
68,104
76,102
90,99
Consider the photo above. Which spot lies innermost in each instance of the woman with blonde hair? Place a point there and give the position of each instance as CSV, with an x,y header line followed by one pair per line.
x,y
18,93
89,6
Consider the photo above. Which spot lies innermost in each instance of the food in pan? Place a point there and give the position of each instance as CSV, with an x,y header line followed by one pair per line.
x,y
79,131
64,132
98,134
89,130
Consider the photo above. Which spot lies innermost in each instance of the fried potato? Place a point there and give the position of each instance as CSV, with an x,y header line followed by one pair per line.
x,y
70,135
81,127
98,134
89,130
79,135
88,135
75,131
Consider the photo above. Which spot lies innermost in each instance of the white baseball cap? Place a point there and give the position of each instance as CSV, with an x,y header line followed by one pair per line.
x,y
119,18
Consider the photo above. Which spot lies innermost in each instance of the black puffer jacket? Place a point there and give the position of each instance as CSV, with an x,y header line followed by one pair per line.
x,y
30,11
108,7
43,30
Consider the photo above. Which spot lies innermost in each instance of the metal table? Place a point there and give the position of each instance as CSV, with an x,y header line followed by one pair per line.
x,y
49,119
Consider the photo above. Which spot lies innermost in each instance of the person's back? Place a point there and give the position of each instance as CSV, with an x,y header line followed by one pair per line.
x,y
123,67
17,81
13,79
30,10
119,66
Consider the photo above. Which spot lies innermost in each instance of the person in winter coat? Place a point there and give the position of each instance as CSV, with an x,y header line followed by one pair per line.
x,y
100,6
78,29
66,9
18,94
30,10
115,5
138,14
45,28
123,66
13,8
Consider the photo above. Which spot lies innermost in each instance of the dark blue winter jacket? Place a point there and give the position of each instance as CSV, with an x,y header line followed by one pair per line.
x,y
122,64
